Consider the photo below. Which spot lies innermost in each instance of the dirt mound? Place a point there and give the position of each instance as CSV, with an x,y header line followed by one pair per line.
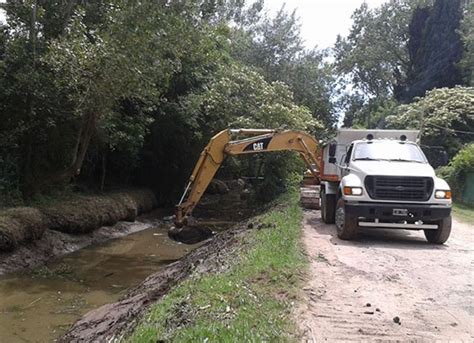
x,y
87,213
114,320
83,214
18,225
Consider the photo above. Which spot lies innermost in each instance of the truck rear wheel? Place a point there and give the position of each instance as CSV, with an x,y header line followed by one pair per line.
x,y
328,206
440,235
346,224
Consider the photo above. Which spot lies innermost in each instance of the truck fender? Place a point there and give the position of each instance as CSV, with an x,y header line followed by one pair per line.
x,y
440,184
330,187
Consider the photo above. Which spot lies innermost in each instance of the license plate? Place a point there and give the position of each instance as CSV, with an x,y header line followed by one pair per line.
x,y
403,212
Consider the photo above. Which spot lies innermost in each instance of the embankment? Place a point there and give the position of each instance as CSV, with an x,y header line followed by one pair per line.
x,y
238,287
33,235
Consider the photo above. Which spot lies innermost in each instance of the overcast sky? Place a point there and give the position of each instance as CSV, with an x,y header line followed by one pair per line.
x,y
321,20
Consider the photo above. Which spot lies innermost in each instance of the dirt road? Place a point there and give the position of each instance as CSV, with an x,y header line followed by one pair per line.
x,y
388,285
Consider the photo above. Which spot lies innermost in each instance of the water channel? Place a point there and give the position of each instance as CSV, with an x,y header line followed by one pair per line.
x,y
40,305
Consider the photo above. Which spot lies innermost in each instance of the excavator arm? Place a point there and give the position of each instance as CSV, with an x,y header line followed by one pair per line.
x,y
258,141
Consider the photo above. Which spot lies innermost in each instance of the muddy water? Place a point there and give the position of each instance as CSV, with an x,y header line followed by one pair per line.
x,y
39,306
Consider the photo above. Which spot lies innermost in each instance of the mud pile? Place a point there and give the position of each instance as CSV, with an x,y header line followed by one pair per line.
x,y
19,225
85,214
80,215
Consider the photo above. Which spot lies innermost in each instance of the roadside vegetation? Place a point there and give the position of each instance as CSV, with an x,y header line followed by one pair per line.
x,y
249,302
464,213
460,175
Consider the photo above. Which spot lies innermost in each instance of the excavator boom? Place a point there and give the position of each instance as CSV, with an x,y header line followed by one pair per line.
x,y
221,145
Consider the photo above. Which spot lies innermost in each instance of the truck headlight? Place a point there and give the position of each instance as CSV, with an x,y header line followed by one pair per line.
x,y
352,190
441,194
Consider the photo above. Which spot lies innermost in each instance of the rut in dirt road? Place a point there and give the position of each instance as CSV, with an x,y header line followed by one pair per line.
x,y
387,285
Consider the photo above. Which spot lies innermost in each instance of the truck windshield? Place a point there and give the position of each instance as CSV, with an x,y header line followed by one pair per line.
x,y
388,151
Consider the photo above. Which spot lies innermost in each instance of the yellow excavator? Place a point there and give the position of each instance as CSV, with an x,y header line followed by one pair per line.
x,y
256,141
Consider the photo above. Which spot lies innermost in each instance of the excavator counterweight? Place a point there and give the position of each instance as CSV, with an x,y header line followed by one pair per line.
x,y
258,141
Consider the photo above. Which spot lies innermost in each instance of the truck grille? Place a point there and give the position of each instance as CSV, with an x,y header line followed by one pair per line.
x,y
399,187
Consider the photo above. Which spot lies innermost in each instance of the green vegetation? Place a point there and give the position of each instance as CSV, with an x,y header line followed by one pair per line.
x,y
113,92
467,27
457,171
464,213
401,51
250,302
447,116
110,93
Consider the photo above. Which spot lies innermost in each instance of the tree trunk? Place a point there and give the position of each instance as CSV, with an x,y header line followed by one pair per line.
x,y
28,182
84,136
104,171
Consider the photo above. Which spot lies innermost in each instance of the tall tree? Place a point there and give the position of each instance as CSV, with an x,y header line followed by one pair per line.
x,y
275,47
435,49
467,29
374,55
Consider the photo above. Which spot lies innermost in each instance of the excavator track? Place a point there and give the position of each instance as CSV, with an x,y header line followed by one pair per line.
x,y
309,197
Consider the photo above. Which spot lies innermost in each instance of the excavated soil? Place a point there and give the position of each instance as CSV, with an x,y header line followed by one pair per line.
x,y
114,320
32,236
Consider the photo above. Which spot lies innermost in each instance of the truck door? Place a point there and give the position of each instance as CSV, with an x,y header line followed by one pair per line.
x,y
346,161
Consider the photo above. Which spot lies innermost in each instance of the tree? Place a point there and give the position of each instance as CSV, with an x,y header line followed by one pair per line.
x,y
445,116
237,97
240,97
467,35
275,47
118,89
375,55
435,49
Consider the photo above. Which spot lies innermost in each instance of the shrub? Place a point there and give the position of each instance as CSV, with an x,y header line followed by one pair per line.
x,y
456,172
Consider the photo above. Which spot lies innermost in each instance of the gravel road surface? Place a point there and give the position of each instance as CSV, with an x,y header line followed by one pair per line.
x,y
388,285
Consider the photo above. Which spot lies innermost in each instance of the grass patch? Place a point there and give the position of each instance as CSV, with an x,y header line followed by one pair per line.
x,y
464,213
251,302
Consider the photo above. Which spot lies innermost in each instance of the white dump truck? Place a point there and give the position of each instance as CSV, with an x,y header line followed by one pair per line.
x,y
381,179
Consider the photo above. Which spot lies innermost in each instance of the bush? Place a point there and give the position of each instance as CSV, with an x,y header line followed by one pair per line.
x,y
456,172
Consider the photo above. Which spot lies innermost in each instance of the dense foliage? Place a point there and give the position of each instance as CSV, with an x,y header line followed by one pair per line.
x,y
445,116
458,169
400,51
100,94
435,49
109,92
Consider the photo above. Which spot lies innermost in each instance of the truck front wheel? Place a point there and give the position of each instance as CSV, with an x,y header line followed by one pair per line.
x,y
346,224
328,204
440,235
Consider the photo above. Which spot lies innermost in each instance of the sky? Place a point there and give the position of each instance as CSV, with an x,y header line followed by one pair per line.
x,y
321,20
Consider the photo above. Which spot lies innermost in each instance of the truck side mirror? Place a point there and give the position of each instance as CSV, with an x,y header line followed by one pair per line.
x,y
332,153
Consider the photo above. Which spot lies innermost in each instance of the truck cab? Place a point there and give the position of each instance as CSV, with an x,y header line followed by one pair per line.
x,y
381,179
